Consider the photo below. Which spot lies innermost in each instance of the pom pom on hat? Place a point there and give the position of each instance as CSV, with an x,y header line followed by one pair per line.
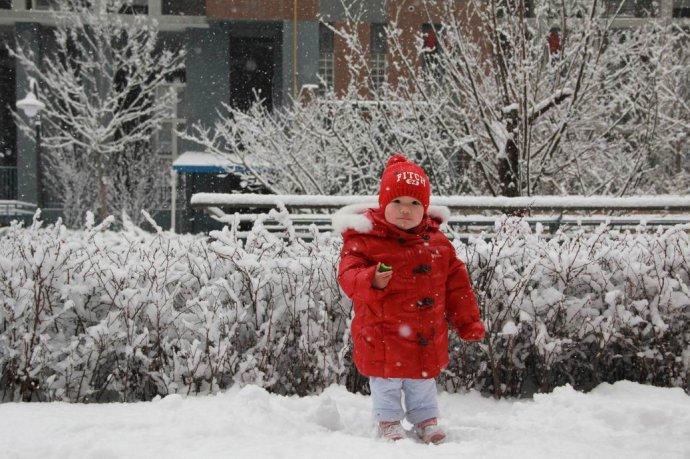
x,y
396,158
402,177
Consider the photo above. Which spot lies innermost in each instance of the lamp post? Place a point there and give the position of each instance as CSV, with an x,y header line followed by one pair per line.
x,y
32,107
173,198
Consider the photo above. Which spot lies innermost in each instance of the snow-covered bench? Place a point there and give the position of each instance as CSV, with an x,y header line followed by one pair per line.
x,y
552,212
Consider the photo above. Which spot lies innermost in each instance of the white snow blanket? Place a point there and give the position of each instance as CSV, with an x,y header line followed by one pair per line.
x,y
623,420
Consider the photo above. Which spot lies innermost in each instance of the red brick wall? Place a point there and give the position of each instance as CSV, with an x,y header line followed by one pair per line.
x,y
341,73
410,16
262,10
410,20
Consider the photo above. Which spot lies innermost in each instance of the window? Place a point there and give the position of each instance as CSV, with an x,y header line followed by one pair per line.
x,y
326,57
378,70
554,42
431,34
377,59
510,7
184,7
5,4
548,9
529,8
45,5
134,7
681,9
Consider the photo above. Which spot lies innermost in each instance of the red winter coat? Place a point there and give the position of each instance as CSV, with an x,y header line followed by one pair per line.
x,y
401,331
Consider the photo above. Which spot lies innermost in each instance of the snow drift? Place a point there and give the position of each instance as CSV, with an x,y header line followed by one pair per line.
x,y
620,420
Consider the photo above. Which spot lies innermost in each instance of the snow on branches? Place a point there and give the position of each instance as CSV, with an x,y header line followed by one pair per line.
x,y
510,101
96,315
100,75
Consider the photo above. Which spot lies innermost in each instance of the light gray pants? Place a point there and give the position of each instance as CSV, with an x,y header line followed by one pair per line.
x,y
420,399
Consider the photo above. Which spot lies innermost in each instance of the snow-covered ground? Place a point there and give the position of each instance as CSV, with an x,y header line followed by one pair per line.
x,y
623,420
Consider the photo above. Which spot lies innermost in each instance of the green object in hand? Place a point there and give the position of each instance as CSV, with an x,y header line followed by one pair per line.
x,y
384,268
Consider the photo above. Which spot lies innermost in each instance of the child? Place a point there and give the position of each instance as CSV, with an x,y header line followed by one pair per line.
x,y
399,329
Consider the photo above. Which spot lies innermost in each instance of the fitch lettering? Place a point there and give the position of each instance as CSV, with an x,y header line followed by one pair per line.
x,y
411,178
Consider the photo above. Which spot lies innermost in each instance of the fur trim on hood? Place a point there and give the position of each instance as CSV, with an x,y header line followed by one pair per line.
x,y
354,217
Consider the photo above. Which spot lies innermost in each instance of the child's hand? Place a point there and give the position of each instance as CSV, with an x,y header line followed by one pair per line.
x,y
381,279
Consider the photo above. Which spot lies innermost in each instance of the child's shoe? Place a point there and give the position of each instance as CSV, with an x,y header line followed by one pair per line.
x,y
429,431
391,430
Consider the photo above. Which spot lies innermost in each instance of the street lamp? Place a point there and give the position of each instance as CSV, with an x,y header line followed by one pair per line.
x,y
32,107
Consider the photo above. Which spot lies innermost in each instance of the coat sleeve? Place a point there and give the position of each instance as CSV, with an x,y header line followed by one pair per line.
x,y
461,303
356,272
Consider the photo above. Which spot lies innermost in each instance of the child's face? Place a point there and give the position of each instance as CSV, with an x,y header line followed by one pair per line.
x,y
404,212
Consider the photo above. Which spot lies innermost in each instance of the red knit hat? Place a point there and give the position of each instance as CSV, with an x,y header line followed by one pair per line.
x,y
403,178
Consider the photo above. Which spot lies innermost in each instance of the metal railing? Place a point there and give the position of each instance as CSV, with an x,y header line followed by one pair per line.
x,y
8,183
631,8
41,5
551,212
10,210
669,203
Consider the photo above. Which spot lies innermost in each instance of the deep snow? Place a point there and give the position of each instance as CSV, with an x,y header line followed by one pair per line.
x,y
621,420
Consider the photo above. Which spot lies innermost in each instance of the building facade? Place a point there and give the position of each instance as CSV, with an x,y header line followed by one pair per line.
x,y
234,48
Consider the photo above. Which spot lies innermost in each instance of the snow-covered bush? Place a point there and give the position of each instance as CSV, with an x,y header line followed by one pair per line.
x,y
96,315
100,315
582,307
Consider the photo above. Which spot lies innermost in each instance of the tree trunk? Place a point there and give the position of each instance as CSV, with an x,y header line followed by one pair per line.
x,y
509,163
102,211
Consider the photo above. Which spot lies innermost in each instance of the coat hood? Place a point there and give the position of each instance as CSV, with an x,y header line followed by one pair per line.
x,y
363,218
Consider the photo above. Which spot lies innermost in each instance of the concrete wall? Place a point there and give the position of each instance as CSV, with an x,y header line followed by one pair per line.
x,y
208,84
307,57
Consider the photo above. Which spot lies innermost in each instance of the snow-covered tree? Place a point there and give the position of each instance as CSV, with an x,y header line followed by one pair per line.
x,y
99,78
506,99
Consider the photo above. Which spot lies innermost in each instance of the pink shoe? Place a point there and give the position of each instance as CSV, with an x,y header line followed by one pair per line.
x,y
430,432
391,430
